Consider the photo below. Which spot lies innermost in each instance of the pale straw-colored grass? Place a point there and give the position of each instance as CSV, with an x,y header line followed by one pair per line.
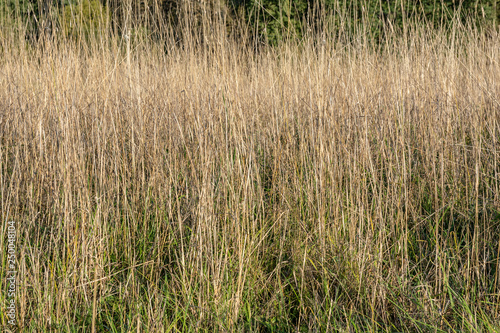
x,y
314,186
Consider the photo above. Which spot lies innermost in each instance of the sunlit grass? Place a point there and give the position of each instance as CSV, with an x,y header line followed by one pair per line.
x,y
315,186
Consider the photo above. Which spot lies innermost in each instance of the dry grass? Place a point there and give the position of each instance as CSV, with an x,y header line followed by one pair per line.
x,y
316,186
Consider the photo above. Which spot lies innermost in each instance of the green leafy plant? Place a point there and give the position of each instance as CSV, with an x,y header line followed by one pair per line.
x,y
84,18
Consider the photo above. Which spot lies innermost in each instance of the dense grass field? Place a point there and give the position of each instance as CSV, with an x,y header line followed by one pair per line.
x,y
327,184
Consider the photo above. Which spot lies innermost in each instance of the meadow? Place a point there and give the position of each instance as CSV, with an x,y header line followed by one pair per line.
x,y
326,184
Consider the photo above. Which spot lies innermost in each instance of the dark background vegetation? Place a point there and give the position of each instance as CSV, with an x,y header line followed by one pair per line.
x,y
269,20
